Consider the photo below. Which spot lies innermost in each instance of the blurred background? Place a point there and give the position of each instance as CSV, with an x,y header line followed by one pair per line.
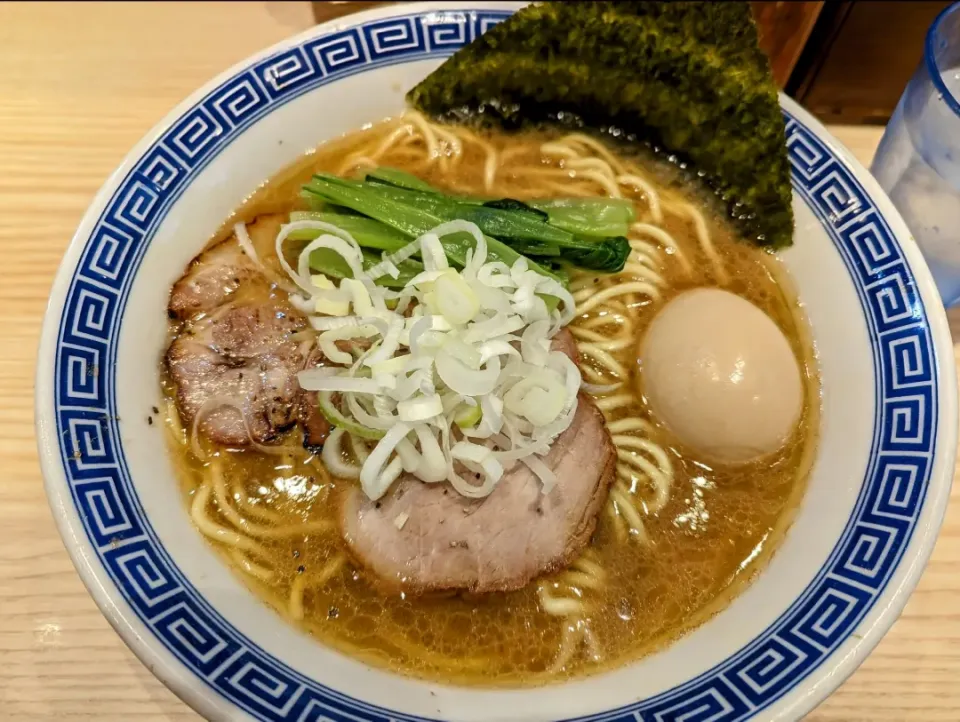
x,y
847,62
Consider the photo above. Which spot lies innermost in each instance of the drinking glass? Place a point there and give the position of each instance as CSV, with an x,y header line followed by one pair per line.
x,y
918,160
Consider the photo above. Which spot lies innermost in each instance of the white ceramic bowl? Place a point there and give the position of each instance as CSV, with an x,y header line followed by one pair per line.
x,y
868,522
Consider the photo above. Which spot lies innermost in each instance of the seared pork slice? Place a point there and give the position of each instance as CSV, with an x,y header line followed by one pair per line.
x,y
234,359
237,368
426,537
315,426
215,276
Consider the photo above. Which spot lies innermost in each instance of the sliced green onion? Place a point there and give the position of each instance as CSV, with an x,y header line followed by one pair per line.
x,y
468,416
332,414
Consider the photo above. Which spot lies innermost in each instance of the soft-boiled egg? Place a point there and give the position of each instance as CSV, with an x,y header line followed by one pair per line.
x,y
721,376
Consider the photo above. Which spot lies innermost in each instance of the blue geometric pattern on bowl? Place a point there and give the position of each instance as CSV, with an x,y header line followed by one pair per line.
x,y
859,567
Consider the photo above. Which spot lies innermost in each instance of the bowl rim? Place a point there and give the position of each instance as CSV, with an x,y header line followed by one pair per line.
x,y
797,699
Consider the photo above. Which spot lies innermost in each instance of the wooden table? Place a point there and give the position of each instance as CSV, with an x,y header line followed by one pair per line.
x,y
79,85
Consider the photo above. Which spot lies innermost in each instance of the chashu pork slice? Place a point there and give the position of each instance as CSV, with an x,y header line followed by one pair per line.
x,y
427,537
236,367
223,273
235,356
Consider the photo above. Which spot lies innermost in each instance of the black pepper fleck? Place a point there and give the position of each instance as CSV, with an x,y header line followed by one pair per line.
x,y
155,409
301,569
150,421
296,553
333,613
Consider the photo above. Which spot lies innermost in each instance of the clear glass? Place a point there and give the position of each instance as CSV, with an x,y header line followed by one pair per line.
x,y
918,160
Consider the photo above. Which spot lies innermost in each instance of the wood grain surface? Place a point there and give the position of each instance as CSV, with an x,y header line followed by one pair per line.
x,y
79,85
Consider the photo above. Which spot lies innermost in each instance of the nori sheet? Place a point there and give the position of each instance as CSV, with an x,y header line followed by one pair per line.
x,y
686,78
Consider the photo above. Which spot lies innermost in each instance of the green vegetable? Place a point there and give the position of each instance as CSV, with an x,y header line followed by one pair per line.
x,y
376,203
468,416
687,78
331,264
609,255
506,222
400,179
366,231
410,220
514,206
332,414
595,217
518,225
395,178
537,249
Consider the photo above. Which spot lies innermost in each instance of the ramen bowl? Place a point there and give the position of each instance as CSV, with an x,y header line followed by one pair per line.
x,y
875,496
